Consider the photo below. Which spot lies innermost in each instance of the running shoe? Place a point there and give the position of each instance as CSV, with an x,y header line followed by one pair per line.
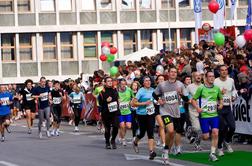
x,y
108,146
57,132
178,150
229,148
135,146
165,155
2,139
152,155
198,147
7,128
48,134
124,142
53,133
113,143
192,140
29,131
212,157
40,135
220,152
76,129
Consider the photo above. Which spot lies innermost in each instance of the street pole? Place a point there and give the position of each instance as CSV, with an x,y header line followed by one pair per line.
x,y
169,26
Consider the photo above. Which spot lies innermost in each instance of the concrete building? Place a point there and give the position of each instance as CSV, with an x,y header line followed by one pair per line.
x,y
61,38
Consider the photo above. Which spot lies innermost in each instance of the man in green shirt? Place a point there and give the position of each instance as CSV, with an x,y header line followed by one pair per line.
x,y
210,100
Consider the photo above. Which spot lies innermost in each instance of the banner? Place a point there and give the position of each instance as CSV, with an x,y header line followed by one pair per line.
x,y
219,17
197,7
229,31
242,112
249,16
203,35
232,9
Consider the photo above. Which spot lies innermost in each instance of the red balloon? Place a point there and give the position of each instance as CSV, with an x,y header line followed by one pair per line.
x,y
248,34
206,27
113,50
213,6
103,57
105,43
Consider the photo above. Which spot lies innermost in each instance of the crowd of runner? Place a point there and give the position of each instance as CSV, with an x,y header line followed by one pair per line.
x,y
185,91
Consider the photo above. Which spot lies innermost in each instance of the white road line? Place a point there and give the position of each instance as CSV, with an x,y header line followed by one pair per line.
x,y
5,163
142,157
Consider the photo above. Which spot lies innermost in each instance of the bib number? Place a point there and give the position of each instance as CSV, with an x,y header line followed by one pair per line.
x,y
171,97
56,100
29,97
226,100
150,109
76,100
5,100
44,96
211,107
124,106
112,107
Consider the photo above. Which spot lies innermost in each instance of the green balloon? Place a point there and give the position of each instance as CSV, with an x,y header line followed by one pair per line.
x,y
113,70
219,39
110,58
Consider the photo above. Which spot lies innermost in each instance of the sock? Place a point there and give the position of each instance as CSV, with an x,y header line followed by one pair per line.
x,y
213,149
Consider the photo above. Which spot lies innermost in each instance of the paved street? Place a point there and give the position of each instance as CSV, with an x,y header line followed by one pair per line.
x,y
75,149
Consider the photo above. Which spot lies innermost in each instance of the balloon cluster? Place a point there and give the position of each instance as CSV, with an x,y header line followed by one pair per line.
x,y
242,39
213,6
108,53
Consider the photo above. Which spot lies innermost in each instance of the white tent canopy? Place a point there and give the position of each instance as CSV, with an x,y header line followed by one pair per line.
x,y
136,56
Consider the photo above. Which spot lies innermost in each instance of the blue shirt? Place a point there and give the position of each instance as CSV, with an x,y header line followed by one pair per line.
x,y
143,95
77,98
5,97
44,96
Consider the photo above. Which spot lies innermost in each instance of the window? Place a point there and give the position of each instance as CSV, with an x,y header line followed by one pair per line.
x,y
146,39
129,42
47,5
49,46
107,36
65,5
90,42
243,3
25,46
88,5
6,6
184,3
165,4
24,5
185,37
145,4
66,40
8,47
205,3
166,43
128,4
104,4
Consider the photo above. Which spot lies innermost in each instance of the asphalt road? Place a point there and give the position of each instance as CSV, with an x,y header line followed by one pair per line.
x,y
76,149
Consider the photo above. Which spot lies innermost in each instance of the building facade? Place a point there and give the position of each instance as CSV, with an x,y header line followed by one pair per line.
x,y
61,38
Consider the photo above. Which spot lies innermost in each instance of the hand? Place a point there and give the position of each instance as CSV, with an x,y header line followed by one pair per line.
x,y
220,107
109,99
1,102
199,110
148,102
224,91
161,101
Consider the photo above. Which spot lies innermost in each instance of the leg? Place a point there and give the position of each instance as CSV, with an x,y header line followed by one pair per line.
x,y
28,117
47,114
231,126
150,132
161,128
134,123
41,119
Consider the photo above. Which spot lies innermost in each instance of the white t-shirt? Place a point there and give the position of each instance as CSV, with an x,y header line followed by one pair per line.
x,y
192,88
200,67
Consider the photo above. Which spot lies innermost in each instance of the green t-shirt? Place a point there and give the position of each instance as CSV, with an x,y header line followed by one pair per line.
x,y
209,100
96,92
124,101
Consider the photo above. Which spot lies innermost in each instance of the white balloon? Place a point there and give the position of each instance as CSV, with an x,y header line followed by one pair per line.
x,y
105,50
240,41
160,69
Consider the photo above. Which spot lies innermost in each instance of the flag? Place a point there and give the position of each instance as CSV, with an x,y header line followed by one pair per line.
x,y
197,6
249,16
181,1
232,9
219,17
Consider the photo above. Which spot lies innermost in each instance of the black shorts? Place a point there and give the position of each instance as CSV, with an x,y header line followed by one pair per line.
x,y
56,112
157,112
3,118
176,123
30,107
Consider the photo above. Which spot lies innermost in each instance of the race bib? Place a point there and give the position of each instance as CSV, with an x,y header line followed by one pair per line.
x,y
171,97
226,100
56,100
76,99
124,105
150,109
5,100
29,97
44,96
112,106
211,106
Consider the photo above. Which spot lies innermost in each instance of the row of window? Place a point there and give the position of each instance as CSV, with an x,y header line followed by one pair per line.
x,y
27,43
66,5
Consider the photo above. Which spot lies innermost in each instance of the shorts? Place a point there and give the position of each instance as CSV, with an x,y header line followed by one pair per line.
x,y
30,107
157,111
176,123
208,124
3,118
16,104
125,118
56,112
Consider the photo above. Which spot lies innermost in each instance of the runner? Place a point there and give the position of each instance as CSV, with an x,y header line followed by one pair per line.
x,y
146,116
210,100
57,96
6,99
28,103
42,94
108,101
168,95
77,101
194,133
227,121
125,96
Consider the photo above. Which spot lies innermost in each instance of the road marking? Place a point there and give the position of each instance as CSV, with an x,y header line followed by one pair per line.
x,y
7,163
142,157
